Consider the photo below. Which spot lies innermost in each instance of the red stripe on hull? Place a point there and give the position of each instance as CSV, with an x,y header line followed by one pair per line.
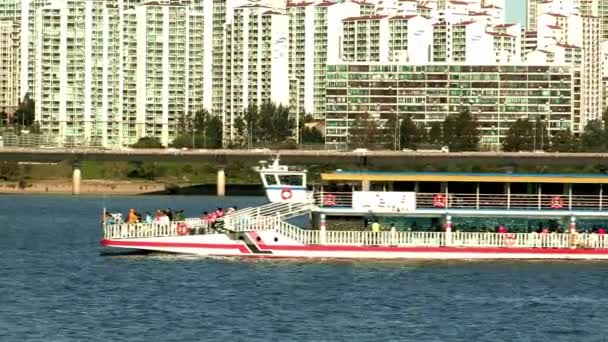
x,y
245,250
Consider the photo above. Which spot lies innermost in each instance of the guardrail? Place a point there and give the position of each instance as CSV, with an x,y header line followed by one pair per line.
x,y
326,199
144,230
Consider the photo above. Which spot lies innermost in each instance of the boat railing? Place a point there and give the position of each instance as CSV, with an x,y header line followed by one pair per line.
x,y
304,236
385,238
333,199
239,220
326,199
143,230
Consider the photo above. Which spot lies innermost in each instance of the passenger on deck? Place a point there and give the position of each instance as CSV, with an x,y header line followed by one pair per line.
x,y
108,219
157,216
601,231
132,218
375,227
148,217
230,210
169,214
219,212
179,215
502,229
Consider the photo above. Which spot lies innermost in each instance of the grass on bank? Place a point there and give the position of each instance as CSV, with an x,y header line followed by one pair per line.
x,y
241,173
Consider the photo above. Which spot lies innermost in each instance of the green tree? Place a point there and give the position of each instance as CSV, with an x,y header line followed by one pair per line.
x,y
592,139
435,136
460,132
25,113
4,118
213,133
520,137
205,131
365,132
542,137
411,135
268,124
148,142
564,141
184,123
312,136
251,117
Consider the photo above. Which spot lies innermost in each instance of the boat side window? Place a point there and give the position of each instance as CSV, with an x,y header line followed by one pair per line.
x,y
271,180
294,180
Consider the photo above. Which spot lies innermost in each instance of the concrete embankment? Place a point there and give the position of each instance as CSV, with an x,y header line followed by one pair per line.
x,y
104,187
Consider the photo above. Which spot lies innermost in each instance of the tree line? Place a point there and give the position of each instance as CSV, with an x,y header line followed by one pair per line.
x,y
461,132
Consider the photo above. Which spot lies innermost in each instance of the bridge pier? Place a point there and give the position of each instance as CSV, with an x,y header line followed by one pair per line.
x,y
221,182
76,176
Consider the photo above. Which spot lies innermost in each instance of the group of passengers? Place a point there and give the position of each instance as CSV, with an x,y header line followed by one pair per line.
x,y
162,216
213,217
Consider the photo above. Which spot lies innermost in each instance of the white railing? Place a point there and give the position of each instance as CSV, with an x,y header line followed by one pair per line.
x,y
143,230
368,238
305,236
243,219
554,202
384,238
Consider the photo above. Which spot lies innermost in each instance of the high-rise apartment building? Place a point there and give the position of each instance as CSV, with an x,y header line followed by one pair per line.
x,y
316,35
256,64
166,60
10,42
328,41
108,76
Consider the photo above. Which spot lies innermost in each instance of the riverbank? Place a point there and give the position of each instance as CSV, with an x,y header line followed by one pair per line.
x,y
105,187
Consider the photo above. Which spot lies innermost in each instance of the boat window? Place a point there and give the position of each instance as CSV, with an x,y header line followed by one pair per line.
x,y
291,180
270,180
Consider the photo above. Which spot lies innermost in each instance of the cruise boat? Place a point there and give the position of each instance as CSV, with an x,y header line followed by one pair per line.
x,y
396,215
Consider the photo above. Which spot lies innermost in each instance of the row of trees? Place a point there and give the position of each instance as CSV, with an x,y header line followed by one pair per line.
x,y
458,132
461,133
266,125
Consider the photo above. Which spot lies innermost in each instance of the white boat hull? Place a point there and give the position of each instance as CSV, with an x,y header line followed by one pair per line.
x,y
265,244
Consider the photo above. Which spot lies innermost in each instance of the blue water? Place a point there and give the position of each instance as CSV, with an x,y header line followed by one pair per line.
x,y
55,286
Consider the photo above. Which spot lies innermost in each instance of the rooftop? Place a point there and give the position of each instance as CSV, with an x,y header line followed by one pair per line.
x,y
388,176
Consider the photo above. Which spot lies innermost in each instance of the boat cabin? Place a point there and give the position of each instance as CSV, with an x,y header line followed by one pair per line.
x,y
500,196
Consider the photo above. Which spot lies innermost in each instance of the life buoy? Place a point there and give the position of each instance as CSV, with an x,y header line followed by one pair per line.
x,y
183,229
557,202
439,201
286,193
509,239
329,200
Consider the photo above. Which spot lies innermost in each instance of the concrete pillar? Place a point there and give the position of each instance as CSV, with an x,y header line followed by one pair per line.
x,y
572,225
448,230
322,231
221,182
76,178
573,233
365,185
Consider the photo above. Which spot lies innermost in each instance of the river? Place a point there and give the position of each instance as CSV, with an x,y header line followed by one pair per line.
x,y
55,286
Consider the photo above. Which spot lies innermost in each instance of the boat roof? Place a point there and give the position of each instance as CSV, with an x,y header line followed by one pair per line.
x,y
392,176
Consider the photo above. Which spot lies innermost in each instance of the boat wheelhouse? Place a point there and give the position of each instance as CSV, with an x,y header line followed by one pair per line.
x,y
417,215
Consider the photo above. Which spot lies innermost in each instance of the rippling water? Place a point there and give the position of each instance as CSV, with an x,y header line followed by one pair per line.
x,y
55,286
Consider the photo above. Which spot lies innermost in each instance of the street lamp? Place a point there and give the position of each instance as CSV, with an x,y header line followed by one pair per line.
x,y
193,127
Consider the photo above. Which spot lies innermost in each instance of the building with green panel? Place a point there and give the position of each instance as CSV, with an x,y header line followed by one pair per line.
x,y
496,95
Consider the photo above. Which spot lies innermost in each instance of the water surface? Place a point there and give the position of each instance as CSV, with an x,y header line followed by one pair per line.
x,y
55,286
